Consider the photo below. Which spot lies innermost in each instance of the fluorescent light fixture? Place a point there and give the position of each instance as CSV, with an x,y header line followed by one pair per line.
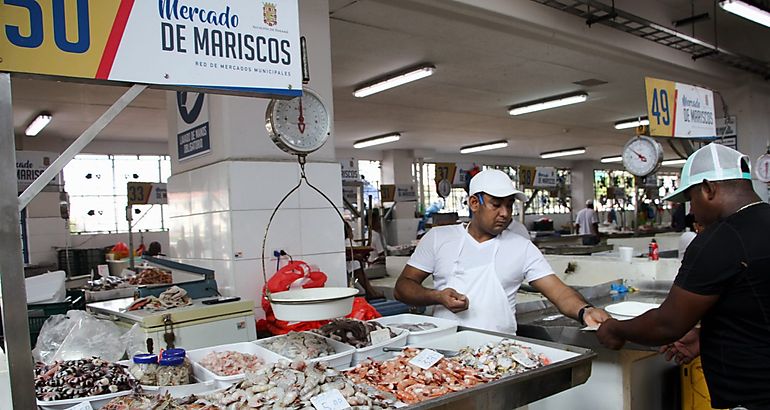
x,y
673,162
38,124
631,123
682,36
563,153
547,103
484,147
394,80
382,139
616,158
746,11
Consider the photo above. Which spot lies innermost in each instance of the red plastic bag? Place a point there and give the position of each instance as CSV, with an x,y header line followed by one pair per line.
x,y
120,250
362,310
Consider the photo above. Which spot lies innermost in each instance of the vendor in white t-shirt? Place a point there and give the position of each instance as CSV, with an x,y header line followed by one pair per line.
x,y
478,268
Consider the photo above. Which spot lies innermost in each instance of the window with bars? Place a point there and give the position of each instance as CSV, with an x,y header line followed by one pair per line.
x,y
371,171
96,185
457,201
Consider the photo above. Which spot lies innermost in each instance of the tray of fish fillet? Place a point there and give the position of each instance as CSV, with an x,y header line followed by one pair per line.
x,y
310,347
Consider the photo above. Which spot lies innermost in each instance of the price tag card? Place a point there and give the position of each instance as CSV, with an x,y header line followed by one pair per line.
x,y
86,405
103,270
331,400
379,336
426,359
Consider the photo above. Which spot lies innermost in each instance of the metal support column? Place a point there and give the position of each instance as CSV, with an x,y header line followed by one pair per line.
x,y
14,295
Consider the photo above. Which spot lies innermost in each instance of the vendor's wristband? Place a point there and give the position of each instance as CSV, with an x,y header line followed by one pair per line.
x,y
582,313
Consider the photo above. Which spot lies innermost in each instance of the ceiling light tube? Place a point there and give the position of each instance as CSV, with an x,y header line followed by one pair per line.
x,y
747,11
38,124
382,139
563,153
616,158
484,147
631,123
673,162
394,80
548,103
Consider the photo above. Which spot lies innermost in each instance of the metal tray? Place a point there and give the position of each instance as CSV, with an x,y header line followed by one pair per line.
x,y
519,390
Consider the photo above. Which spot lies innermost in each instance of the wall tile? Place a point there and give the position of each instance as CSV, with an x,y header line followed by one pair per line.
x,y
249,231
262,185
209,189
325,177
323,231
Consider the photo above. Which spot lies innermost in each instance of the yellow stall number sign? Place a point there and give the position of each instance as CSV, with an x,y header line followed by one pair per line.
x,y
146,193
661,106
527,176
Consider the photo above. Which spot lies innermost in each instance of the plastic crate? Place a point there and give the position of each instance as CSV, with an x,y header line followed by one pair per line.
x,y
89,259
39,313
67,262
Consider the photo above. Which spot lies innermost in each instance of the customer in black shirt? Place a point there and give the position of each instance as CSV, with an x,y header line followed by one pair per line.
x,y
723,283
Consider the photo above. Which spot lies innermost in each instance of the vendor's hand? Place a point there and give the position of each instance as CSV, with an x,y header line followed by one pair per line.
x,y
684,350
594,317
608,335
453,300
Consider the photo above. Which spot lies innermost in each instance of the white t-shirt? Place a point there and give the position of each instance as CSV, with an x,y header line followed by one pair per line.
x,y
586,218
519,229
517,260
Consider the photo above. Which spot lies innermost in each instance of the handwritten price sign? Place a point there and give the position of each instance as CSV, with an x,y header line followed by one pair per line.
x,y
331,400
426,359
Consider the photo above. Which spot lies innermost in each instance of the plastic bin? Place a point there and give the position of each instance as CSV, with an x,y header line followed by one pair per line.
x,y
340,360
89,259
443,326
204,374
375,352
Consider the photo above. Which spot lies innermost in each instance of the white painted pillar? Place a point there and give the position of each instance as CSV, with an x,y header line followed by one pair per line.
x,y
220,202
397,169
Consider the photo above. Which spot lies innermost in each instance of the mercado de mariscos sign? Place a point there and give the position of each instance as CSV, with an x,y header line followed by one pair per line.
x,y
236,46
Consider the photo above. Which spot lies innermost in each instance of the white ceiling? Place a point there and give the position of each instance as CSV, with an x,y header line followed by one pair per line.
x,y
483,66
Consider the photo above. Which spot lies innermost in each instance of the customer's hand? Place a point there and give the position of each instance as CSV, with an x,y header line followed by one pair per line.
x,y
608,335
453,300
684,350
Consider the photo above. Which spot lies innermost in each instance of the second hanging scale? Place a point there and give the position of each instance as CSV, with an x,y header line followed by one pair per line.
x,y
301,126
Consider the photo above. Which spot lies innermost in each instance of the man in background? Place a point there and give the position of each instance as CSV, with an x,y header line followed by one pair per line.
x,y
587,224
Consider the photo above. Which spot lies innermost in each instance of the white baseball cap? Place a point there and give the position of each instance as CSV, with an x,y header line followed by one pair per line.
x,y
714,162
495,183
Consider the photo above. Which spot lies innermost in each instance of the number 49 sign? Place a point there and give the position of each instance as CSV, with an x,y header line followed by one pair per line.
x,y
679,110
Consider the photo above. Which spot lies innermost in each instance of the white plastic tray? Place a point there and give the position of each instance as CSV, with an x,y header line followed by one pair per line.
x,y
473,339
339,360
629,309
375,352
96,401
443,326
205,374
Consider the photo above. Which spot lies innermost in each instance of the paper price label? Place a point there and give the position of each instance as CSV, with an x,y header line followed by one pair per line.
x,y
103,270
379,336
524,360
331,400
426,359
86,405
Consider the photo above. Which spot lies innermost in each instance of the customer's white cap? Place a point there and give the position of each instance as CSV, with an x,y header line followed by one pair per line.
x,y
495,183
589,202
714,162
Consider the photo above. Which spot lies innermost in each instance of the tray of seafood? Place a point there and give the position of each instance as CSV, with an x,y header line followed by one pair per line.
x,y
64,384
229,363
292,385
310,347
359,334
420,327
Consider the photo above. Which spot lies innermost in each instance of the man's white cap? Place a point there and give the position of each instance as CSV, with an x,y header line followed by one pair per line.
x,y
714,162
589,202
495,183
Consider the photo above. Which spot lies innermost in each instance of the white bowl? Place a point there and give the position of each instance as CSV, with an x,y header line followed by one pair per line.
x,y
302,305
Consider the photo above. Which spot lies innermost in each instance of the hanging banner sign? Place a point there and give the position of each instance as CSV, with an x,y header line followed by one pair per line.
x,y
679,110
461,174
387,192
405,193
545,177
192,120
445,171
350,170
147,193
29,166
727,134
235,46
527,176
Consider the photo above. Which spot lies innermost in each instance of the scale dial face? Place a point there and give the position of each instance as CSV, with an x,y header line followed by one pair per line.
x,y
762,169
642,156
300,125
